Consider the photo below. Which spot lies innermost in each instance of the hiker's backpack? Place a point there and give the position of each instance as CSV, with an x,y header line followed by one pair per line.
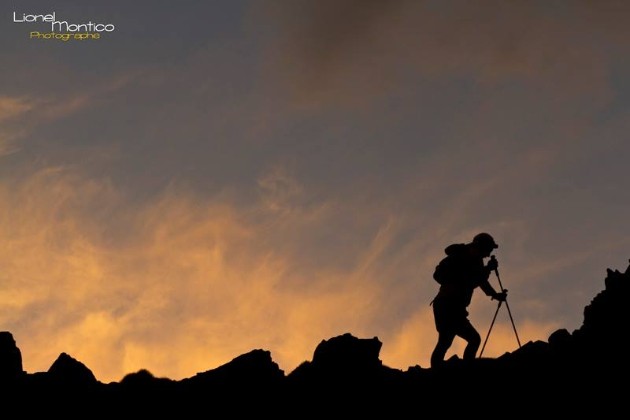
x,y
446,271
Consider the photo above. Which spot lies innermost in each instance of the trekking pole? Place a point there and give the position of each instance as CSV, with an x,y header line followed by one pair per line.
x,y
490,329
496,271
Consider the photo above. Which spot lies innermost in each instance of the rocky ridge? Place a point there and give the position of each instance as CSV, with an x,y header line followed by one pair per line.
x,y
570,372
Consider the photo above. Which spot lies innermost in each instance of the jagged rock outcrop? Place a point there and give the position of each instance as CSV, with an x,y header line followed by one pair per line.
x,y
343,355
68,371
346,352
10,358
568,373
607,317
245,373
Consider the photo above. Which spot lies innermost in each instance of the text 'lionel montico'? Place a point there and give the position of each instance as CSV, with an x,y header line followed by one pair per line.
x,y
63,25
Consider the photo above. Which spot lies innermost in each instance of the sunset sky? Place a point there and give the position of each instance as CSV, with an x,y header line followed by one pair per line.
x,y
213,177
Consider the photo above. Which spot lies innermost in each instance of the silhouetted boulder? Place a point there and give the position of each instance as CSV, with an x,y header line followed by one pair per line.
x,y
66,378
340,364
344,355
608,308
138,392
68,371
143,379
248,370
560,338
348,352
10,358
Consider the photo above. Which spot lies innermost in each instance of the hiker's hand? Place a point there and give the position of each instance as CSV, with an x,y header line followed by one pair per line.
x,y
500,296
493,264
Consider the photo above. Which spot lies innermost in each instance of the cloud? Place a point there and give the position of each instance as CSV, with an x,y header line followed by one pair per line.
x,y
351,53
279,189
10,107
20,116
103,282
176,285
7,144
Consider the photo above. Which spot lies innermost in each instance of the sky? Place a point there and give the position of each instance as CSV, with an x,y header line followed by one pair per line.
x,y
209,178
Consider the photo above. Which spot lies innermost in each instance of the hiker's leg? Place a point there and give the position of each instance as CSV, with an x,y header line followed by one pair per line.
x,y
445,325
472,337
443,344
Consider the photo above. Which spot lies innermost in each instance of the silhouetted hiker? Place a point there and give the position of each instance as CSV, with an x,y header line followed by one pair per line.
x,y
459,274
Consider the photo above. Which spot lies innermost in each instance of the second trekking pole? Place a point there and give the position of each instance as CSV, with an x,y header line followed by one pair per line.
x,y
496,271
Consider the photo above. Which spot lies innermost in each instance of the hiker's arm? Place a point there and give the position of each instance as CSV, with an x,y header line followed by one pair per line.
x,y
485,285
488,289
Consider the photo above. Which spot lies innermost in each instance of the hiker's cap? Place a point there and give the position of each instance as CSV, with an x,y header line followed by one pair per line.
x,y
485,240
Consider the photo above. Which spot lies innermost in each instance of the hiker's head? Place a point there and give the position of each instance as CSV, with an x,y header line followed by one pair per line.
x,y
484,243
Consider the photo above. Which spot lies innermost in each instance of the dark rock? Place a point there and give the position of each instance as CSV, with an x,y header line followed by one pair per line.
x,y
348,352
560,338
68,371
10,358
255,368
